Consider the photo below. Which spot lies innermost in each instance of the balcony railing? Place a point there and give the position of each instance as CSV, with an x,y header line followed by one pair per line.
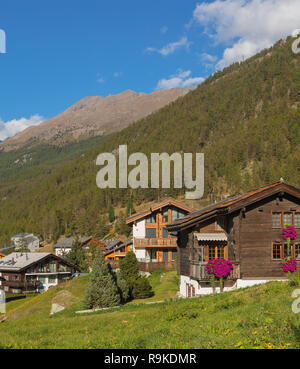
x,y
19,284
155,242
198,271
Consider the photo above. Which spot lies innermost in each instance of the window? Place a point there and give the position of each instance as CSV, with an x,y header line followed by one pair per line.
x,y
6,289
151,219
276,251
14,290
297,220
216,252
52,267
297,251
42,279
150,233
287,219
6,277
52,279
276,220
174,255
165,233
220,224
165,215
15,278
177,213
62,268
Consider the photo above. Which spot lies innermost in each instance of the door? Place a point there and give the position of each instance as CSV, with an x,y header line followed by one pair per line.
x,y
166,256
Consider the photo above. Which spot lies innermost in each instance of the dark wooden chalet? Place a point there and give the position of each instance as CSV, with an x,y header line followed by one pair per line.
x,y
245,229
32,272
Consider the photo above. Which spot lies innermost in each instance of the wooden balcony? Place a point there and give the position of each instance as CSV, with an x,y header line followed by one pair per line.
x,y
155,242
20,284
198,271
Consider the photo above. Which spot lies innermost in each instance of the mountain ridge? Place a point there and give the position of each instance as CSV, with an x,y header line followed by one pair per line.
x,y
94,116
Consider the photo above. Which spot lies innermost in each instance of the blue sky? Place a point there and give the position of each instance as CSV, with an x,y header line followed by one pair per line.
x,y
61,51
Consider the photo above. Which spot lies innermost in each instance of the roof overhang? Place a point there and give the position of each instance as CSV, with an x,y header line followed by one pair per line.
x,y
211,236
233,205
158,206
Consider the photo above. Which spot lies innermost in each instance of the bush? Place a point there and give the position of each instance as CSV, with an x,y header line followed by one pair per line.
x,y
142,289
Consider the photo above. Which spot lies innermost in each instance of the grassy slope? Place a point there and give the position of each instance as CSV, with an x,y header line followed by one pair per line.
x,y
260,316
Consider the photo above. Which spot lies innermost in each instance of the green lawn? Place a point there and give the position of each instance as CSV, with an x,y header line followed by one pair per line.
x,y
256,317
164,284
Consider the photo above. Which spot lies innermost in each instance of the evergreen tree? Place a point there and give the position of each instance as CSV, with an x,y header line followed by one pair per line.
x,y
111,213
76,256
142,289
130,209
123,288
129,268
102,290
121,226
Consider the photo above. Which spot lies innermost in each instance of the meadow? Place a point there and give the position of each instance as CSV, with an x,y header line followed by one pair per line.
x,y
255,317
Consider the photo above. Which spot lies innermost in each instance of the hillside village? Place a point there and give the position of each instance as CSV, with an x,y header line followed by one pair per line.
x,y
246,229
137,261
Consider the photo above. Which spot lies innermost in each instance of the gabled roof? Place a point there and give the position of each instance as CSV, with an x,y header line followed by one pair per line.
x,y
68,242
118,247
232,204
157,206
17,261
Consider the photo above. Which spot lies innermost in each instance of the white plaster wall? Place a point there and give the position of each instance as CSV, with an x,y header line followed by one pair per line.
x,y
140,253
62,251
240,283
139,229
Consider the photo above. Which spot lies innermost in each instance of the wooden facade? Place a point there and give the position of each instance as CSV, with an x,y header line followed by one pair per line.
x,y
252,226
152,242
36,276
118,253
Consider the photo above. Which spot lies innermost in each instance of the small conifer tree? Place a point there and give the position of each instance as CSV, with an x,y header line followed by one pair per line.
x,y
142,289
102,290
123,288
129,268
111,213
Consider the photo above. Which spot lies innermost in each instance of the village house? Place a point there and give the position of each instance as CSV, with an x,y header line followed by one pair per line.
x,y
32,272
118,252
64,247
153,246
246,229
26,240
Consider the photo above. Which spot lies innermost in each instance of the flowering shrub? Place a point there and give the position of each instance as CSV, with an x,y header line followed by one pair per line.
x,y
220,268
289,265
289,233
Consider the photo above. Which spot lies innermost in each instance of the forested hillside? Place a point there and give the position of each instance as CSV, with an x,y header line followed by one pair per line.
x,y
246,119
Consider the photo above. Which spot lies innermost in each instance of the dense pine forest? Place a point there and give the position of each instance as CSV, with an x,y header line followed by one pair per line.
x,y
245,119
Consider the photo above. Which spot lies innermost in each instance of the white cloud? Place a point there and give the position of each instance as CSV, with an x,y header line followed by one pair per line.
x,y
100,79
208,57
171,47
118,74
11,128
164,30
248,26
179,80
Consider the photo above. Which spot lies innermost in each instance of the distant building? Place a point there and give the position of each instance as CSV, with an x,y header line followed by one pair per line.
x,y
26,239
152,243
119,251
32,272
64,247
